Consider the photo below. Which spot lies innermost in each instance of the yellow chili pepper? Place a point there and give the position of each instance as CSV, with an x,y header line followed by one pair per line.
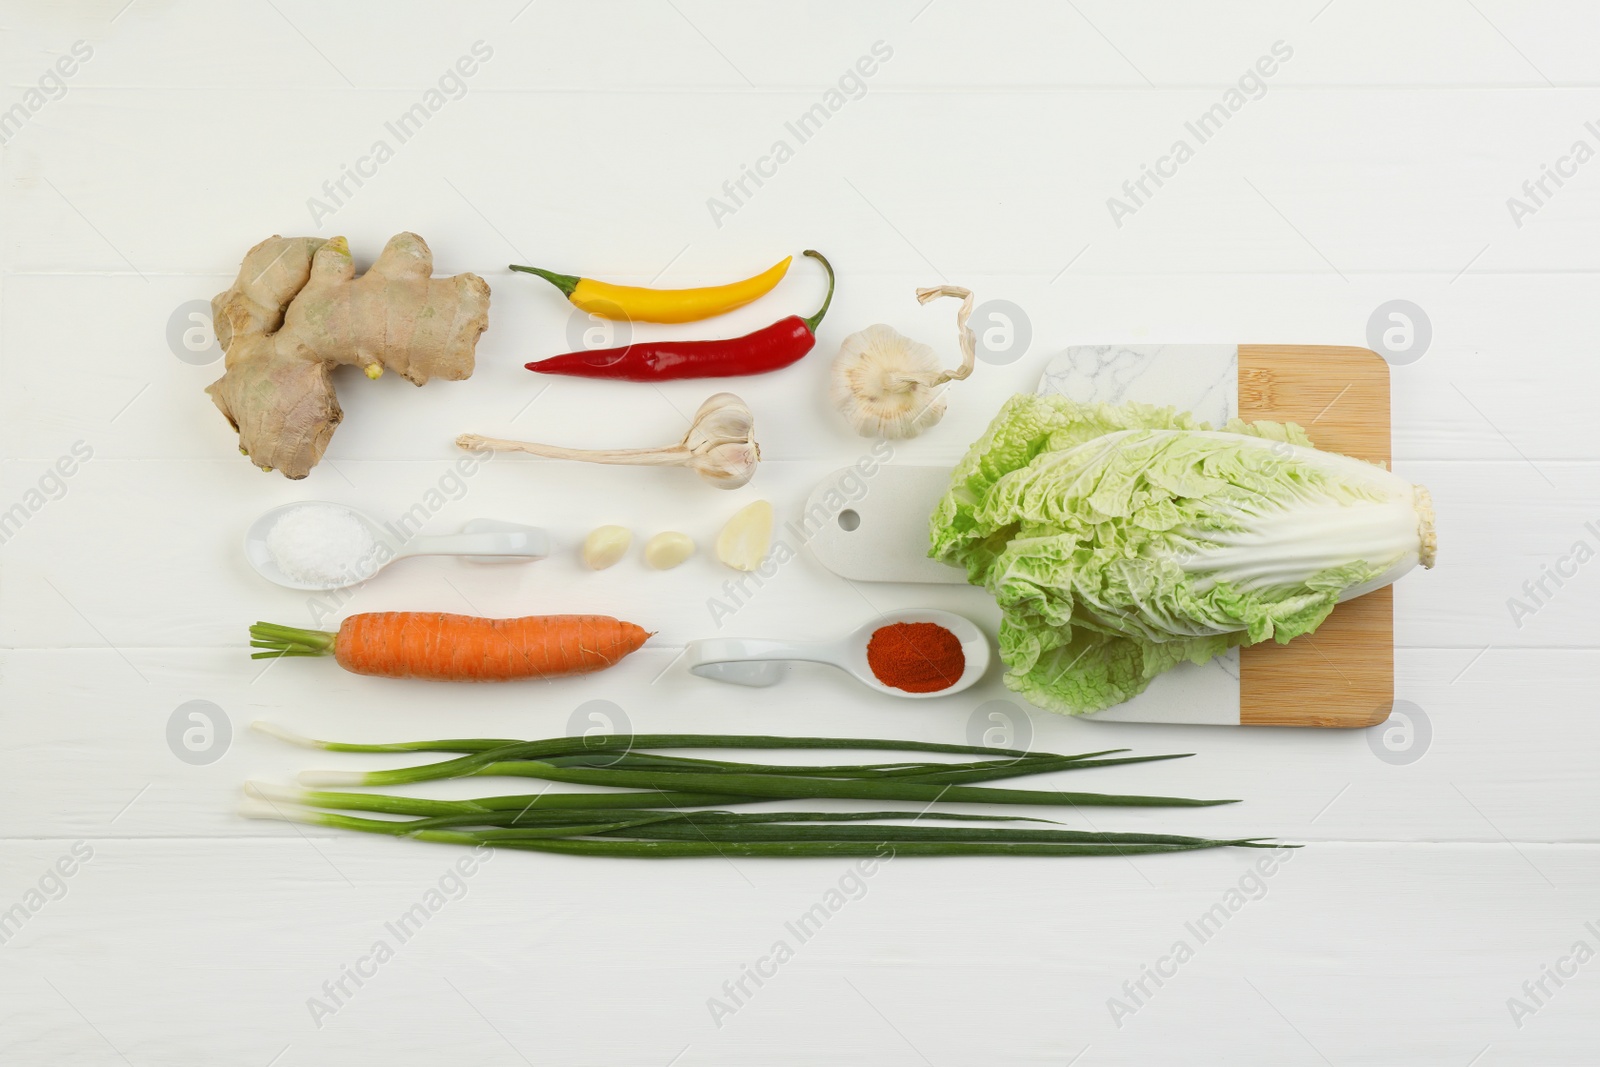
x,y
637,304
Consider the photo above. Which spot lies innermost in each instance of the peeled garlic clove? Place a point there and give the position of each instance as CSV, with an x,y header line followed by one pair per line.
x,y
605,546
666,550
745,540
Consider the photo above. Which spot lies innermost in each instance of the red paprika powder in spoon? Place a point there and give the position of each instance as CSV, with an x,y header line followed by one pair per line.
x,y
918,657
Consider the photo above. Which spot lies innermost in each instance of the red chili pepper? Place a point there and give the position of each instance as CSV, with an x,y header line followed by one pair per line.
x,y
768,349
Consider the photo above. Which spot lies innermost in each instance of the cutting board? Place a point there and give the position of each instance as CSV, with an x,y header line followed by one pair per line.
x,y
1342,675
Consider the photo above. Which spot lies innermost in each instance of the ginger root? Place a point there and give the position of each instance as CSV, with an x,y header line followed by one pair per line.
x,y
297,310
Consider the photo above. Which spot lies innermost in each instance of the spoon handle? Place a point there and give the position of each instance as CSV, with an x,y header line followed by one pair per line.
x,y
753,661
526,544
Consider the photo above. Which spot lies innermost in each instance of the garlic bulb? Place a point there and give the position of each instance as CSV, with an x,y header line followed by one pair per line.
x,y
721,442
720,445
887,385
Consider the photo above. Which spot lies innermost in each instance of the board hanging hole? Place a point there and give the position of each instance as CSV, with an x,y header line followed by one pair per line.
x,y
849,519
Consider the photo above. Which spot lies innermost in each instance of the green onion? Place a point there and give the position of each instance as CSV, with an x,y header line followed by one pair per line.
x,y
805,849
692,830
653,817
656,836
752,780
789,787
921,772
624,742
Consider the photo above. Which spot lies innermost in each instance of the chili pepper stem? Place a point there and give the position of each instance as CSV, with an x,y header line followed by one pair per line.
x,y
565,282
816,320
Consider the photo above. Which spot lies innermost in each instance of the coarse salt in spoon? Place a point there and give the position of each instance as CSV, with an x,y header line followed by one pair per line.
x,y
317,546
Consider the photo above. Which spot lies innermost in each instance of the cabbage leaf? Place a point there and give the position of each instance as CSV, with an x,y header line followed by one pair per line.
x,y
1120,541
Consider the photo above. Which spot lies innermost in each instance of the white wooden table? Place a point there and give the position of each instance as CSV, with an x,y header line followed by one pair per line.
x,y
1447,865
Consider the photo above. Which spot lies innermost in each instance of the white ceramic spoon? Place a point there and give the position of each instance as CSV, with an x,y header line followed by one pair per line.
x,y
762,662
484,540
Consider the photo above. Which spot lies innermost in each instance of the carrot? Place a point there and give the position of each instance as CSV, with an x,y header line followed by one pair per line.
x,y
458,648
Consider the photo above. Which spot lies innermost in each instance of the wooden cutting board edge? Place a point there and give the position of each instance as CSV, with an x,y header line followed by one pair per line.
x,y
1342,675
